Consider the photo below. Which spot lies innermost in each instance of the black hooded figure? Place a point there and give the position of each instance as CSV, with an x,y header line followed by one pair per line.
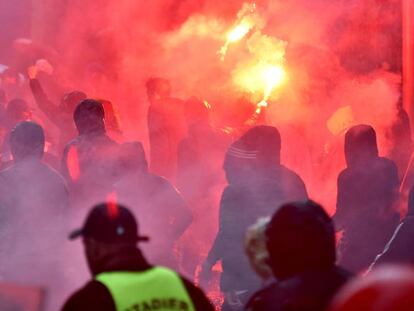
x,y
399,249
257,185
300,240
367,190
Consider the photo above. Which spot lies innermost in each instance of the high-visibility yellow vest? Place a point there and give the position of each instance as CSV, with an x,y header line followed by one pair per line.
x,y
154,289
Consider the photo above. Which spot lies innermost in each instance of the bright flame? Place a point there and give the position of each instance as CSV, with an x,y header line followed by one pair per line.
x,y
272,76
247,20
238,32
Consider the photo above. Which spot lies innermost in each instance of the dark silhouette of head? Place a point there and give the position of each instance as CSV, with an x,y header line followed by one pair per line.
x,y
158,88
27,141
17,110
257,151
300,238
71,100
360,145
109,230
132,158
89,117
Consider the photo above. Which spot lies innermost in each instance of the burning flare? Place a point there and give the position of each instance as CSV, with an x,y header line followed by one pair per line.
x,y
246,22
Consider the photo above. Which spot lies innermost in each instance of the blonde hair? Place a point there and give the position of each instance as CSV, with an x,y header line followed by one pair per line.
x,y
255,248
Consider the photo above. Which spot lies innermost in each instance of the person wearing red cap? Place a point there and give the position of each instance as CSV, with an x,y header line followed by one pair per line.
x,y
385,289
122,277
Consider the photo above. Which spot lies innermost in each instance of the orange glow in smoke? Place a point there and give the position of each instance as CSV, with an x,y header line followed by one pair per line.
x,y
112,206
73,163
236,34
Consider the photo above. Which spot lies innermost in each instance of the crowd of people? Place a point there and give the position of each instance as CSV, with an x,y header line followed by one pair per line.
x,y
277,248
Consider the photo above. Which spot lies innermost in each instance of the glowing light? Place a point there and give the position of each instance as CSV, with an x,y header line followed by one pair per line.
x,y
72,162
239,31
236,34
111,205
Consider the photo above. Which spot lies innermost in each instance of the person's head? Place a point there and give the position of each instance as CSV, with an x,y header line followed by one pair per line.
x,y
360,145
111,117
27,141
70,100
300,238
389,288
18,110
132,157
255,248
257,151
109,230
158,88
89,117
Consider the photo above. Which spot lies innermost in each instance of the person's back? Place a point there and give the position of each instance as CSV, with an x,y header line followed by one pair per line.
x,y
258,184
367,190
34,199
122,277
300,241
89,161
166,127
160,206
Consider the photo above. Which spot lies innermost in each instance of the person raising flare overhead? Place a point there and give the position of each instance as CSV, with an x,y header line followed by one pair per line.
x,y
257,185
300,241
122,277
367,191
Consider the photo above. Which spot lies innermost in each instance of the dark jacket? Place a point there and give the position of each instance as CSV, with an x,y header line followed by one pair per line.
x,y
367,190
89,164
310,291
95,296
258,185
160,208
399,248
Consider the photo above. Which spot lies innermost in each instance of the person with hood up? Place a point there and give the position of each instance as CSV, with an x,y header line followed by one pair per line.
x,y
300,241
399,249
159,205
367,191
257,185
89,161
33,200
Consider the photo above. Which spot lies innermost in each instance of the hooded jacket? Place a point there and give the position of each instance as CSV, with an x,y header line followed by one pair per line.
x,y
257,185
367,190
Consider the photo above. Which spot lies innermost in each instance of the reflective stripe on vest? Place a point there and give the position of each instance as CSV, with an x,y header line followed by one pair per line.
x,y
150,290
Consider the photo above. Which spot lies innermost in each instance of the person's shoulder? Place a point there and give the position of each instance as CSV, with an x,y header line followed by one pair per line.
x,y
199,299
265,298
388,163
93,296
